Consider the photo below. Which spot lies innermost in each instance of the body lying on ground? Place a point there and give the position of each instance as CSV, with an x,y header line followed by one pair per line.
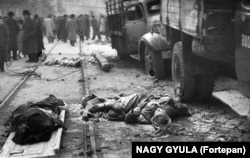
x,y
35,122
137,108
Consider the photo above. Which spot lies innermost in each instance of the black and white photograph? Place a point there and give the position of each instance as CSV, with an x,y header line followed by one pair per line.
x,y
124,78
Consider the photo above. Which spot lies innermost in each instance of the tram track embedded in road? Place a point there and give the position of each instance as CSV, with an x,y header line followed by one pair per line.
x,y
24,79
88,126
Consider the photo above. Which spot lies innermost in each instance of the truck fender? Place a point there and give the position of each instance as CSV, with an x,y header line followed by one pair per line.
x,y
154,41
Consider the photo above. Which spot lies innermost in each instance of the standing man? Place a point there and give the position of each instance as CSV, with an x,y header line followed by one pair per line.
x,y
4,39
102,25
30,38
39,35
81,27
87,29
49,26
58,23
62,29
95,27
13,31
71,26
107,28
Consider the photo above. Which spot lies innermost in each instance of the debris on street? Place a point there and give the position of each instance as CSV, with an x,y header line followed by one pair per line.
x,y
103,62
65,61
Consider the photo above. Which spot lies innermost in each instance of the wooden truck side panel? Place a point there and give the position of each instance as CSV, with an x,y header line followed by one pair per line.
x,y
181,15
209,22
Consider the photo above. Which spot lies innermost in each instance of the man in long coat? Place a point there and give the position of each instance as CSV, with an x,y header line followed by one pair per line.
x,y
50,27
4,38
63,33
30,38
87,29
13,31
39,35
94,23
81,26
71,26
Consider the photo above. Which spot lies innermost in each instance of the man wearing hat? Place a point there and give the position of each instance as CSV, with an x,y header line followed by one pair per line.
x,y
13,31
29,37
4,38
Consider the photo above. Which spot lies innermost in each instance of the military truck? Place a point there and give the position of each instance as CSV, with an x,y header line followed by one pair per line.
x,y
128,21
201,35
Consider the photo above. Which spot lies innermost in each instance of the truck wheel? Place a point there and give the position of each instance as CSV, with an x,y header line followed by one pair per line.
x,y
183,81
154,64
205,86
121,50
244,87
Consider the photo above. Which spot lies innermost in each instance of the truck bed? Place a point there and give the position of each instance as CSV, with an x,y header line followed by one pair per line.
x,y
209,21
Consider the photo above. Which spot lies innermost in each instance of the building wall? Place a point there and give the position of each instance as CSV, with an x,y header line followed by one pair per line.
x,y
55,7
41,7
84,6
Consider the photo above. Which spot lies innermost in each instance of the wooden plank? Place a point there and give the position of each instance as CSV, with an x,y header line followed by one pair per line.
x,y
39,150
237,101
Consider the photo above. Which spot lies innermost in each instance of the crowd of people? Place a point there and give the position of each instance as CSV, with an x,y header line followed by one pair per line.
x,y
24,36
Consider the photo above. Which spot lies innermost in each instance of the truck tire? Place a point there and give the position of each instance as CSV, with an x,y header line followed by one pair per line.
x,y
184,83
244,87
154,64
205,86
121,50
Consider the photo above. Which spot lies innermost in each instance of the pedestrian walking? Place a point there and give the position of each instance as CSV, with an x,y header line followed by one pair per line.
x,y
29,37
20,39
13,31
39,35
49,26
71,26
95,27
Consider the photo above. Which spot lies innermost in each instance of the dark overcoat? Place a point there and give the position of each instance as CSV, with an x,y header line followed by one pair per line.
x,y
62,28
29,37
39,35
13,31
4,35
72,27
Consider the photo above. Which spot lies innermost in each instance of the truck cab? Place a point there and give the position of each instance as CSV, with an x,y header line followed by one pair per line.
x,y
128,21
